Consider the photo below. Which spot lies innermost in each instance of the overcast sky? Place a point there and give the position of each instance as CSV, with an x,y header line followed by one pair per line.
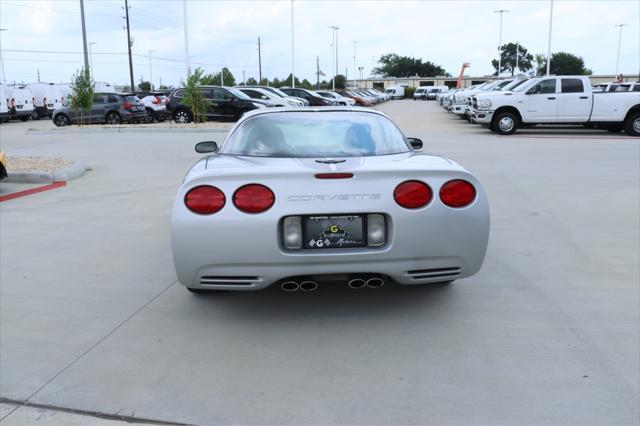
x,y
225,32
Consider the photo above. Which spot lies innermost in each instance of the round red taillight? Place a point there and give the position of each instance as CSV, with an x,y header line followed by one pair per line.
x,y
457,193
253,198
204,199
412,194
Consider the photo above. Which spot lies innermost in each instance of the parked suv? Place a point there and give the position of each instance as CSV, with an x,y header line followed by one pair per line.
x,y
224,103
313,98
109,108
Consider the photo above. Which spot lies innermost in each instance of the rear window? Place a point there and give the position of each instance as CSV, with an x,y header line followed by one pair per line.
x,y
572,85
132,99
316,134
178,94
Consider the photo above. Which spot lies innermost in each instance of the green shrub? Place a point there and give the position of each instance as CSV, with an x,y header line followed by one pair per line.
x,y
194,98
408,92
81,98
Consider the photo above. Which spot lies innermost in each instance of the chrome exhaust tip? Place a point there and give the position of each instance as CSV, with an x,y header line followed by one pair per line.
x,y
290,286
309,286
357,283
375,282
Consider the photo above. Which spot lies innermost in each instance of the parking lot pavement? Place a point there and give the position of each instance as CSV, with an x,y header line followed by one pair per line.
x,y
91,317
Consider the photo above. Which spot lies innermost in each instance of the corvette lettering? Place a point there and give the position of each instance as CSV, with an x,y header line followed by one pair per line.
x,y
339,197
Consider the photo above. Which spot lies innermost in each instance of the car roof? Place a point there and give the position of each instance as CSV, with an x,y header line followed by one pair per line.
x,y
265,111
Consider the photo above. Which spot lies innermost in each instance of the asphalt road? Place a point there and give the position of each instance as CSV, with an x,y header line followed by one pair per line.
x,y
91,316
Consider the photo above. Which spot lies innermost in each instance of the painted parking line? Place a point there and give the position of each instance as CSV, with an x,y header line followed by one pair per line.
x,y
525,136
31,191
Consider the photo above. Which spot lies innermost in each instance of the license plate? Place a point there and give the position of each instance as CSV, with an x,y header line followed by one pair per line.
x,y
340,231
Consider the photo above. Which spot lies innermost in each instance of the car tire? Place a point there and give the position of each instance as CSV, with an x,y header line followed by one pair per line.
x,y
113,118
150,115
632,124
61,120
161,118
182,116
505,123
35,115
24,117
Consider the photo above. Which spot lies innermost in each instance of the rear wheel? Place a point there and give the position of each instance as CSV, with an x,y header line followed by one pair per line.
x,y
24,117
113,118
150,115
182,116
632,124
61,120
505,123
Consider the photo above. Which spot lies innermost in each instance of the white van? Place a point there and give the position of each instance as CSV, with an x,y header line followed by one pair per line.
x,y
421,92
433,91
4,104
20,102
48,97
395,92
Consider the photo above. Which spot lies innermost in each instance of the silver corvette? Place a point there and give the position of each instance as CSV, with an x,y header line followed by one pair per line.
x,y
302,197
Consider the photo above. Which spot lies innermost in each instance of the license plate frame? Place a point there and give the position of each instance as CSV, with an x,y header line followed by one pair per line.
x,y
334,231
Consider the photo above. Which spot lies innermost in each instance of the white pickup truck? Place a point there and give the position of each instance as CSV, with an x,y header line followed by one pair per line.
x,y
558,100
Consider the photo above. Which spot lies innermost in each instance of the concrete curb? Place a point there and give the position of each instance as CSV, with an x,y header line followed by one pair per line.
x,y
71,131
77,169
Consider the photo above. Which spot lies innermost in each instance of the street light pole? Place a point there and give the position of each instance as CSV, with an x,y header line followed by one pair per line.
x,y
91,59
150,69
501,12
187,58
517,57
293,62
334,33
354,64
549,43
620,26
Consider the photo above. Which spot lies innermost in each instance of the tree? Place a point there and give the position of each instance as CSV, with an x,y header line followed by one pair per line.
x,y
81,98
276,82
264,82
288,83
563,63
193,96
341,82
251,81
541,64
394,65
144,86
508,54
306,84
215,80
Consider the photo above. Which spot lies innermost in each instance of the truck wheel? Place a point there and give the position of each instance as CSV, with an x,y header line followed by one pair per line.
x,y
24,117
505,123
632,125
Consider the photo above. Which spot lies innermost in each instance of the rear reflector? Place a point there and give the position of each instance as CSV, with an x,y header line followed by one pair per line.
x,y
334,175
457,193
253,198
205,200
412,194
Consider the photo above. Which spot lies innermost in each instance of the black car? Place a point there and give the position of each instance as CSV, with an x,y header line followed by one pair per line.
x,y
313,98
224,103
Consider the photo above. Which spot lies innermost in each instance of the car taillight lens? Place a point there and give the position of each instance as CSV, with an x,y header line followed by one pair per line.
x,y
457,193
127,105
253,198
412,194
156,101
205,199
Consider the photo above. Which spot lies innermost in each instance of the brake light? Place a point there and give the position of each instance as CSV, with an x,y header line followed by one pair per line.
x,y
457,193
412,194
334,175
127,105
254,198
156,101
205,199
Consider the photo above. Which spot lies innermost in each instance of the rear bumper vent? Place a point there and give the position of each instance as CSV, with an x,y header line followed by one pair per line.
x,y
424,274
231,280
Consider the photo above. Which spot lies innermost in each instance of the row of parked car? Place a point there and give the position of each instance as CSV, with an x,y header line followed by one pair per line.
x,y
230,103
505,105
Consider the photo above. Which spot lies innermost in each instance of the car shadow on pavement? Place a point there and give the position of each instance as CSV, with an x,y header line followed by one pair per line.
x,y
330,300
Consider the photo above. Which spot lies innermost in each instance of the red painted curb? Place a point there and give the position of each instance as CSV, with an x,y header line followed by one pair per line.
x,y
32,191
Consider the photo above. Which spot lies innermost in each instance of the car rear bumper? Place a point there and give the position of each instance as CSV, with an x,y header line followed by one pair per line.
x,y
235,251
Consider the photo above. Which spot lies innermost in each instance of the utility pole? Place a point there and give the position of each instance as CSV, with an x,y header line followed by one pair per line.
x,y
150,70
620,26
293,62
84,37
517,57
549,43
4,81
317,72
501,12
38,75
129,43
222,76
335,55
187,58
91,59
259,62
